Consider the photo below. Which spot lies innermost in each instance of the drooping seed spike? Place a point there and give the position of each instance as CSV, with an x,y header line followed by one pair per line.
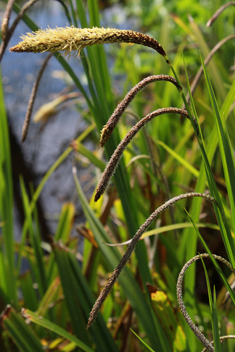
x,y
132,245
114,160
218,12
206,343
114,118
70,39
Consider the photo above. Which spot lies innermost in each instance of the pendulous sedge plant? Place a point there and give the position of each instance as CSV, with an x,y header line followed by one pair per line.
x,y
71,39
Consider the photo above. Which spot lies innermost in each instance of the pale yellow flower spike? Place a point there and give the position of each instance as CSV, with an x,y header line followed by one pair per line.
x,y
75,39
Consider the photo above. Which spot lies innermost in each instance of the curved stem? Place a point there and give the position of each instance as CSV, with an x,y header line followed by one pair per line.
x,y
6,18
179,286
32,98
10,31
207,60
218,12
222,338
114,118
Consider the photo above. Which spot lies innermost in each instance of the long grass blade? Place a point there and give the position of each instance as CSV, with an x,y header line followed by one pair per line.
x,y
213,309
76,296
65,222
39,189
225,148
215,324
19,331
7,281
224,227
35,242
55,328
142,341
181,160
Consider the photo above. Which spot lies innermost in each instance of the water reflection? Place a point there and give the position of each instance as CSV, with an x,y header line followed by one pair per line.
x,y
41,149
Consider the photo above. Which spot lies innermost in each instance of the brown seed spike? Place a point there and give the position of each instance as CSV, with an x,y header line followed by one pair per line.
x,y
114,118
104,293
114,160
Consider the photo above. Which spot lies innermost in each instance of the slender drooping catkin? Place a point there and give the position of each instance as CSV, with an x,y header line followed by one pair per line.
x,y
75,39
114,160
206,343
219,11
104,293
114,118
207,60
32,98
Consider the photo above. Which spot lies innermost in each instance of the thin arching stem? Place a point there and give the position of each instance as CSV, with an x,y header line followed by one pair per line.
x,y
32,98
206,343
206,62
218,12
5,19
11,30
113,162
222,338
131,248
114,118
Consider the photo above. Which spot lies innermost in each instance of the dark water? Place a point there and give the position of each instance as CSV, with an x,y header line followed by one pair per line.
x,y
42,148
